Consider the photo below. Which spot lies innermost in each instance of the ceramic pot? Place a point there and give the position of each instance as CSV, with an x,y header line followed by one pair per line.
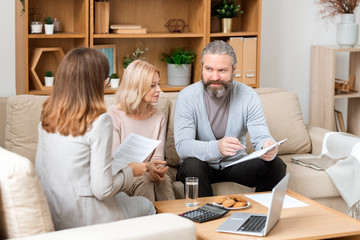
x,y
114,82
36,27
226,25
49,28
347,31
179,75
49,81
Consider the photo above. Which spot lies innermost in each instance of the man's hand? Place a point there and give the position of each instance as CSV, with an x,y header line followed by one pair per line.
x,y
228,146
269,155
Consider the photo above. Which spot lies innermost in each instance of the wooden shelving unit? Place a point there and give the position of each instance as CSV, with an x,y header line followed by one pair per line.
x,y
322,88
77,18
74,18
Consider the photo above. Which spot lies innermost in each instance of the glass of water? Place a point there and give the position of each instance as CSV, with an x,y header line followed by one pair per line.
x,y
191,191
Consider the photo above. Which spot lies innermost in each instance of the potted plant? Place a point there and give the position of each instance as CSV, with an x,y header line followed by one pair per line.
x,y
49,79
347,29
134,56
226,10
179,63
49,25
114,80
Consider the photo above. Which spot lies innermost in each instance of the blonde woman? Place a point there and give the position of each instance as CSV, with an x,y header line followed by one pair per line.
x,y
134,112
73,158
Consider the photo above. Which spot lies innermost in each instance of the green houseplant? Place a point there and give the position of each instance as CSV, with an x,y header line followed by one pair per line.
x,y
49,25
114,80
226,10
49,78
179,63
179,56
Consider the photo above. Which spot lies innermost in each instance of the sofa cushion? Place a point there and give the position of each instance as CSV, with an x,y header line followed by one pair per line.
x,y
309,182
22,118
3,101
172,158
23,208
284,119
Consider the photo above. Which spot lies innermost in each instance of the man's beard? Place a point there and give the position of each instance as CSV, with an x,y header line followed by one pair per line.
x,y
217,92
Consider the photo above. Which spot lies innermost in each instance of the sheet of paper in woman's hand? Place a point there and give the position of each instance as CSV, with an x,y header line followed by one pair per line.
x,y
135,148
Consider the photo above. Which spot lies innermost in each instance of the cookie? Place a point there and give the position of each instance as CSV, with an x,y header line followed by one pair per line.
x,y
228,203
240,198
220,199
239,204
232,197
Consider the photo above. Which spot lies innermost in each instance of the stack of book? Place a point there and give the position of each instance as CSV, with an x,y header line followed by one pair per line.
x,y
102,17
127,28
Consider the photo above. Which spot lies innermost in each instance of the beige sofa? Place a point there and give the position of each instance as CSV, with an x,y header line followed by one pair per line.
x,y
18,134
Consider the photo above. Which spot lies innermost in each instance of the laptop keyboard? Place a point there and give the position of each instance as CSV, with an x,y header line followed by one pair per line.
x,y
253,224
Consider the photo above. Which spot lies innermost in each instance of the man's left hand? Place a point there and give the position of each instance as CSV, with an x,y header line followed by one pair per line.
x,y
271,154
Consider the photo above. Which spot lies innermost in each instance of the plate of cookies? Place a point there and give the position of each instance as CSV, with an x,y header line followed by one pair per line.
x,y
231,202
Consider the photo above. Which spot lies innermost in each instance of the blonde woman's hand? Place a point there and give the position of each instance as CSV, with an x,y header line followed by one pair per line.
x,y
138,168
157,170
155,165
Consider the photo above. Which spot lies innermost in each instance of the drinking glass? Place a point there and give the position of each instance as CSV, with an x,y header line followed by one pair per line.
x,y
191,191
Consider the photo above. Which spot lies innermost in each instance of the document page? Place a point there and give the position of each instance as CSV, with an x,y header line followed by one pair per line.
x,y
135,148
258,153
265,199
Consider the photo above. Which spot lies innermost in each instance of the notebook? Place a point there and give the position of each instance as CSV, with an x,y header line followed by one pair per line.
x,y
258,224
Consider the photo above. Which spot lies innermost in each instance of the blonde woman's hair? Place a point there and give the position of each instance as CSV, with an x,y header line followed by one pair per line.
x,y
78,95
136,82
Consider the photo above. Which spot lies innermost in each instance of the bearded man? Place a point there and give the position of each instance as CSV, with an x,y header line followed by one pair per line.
x,y
212,118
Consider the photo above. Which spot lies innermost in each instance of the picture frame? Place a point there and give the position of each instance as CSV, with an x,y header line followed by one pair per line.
x,y
110,52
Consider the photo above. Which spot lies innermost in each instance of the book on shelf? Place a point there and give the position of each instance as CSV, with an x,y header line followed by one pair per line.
x,y
339,121
130,30
125,26
102,17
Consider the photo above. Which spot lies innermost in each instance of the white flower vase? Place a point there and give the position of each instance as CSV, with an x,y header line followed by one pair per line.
x,y
347,31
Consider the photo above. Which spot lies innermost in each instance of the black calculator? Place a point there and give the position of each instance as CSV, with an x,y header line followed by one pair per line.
x,y
205,213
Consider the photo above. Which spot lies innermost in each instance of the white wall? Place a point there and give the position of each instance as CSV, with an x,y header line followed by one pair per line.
x,y
289,28
7,48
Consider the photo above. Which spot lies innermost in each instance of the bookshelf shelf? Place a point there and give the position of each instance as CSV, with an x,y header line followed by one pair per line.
x,y
77,19
322,88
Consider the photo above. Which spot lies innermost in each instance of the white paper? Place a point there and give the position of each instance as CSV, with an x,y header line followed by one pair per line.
x,y
265,199
258,153
135,148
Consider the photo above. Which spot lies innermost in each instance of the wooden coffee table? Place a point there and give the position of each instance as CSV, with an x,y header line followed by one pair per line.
x,y
315,221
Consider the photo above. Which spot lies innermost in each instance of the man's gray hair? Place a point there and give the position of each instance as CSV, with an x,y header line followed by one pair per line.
x,y
219,47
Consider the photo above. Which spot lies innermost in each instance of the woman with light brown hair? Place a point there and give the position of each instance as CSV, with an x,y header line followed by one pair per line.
x,y
73,158
134,112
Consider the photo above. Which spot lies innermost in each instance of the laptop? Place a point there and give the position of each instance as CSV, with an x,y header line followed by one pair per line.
x,y
258,224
